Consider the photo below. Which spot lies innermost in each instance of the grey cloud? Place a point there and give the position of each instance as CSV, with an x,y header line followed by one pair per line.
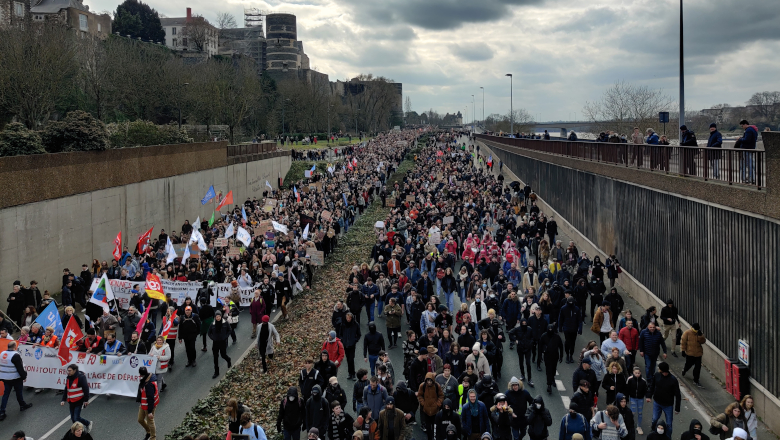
x,y
433,14
472,51
591,19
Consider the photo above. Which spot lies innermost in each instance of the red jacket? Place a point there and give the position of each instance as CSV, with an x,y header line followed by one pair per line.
x,y
630,337
335,350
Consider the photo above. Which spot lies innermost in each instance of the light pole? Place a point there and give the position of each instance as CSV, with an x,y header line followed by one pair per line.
x,y
473,112
179,102
356,127
483,107
284,104
511,106
682,74
329,106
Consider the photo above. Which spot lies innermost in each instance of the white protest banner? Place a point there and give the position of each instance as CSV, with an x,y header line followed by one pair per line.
x,y
279,227
179,290
243,236
106,374
224,290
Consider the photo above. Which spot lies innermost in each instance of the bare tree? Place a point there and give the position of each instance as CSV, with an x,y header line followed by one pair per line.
x,y
197,32
625,106
522,122
766,105
37,67
225,20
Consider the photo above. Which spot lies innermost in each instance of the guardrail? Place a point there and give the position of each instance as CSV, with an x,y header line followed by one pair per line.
x,y
251,152
728,165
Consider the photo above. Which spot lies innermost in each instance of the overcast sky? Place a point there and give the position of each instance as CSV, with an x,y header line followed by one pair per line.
x,y
562,52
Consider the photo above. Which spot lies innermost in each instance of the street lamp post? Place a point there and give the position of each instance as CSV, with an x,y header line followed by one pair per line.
x,y
473,112
682,74
483,107
179,103
511,105
356,127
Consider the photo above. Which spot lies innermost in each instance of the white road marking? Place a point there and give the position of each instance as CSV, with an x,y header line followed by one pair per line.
x,y
64,421
557,373
566,401
559,385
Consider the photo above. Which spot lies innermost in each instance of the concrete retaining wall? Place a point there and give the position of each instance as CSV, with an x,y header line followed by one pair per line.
x,y
38,240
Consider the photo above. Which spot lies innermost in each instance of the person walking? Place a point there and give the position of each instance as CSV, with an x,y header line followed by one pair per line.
x,y
76,394
317,412
538,419
373,343
340,423
671,322
609,424
266,338
189,329
636,387
162,351
574,423
474,417
219,332
350,335
715,141
13,375
149,397
570,323
552,347
651,342
430,397
665,392
291,415
391,423
692,349
335,348
393,314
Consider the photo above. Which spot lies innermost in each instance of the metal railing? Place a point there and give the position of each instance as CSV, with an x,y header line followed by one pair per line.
x,y
728,165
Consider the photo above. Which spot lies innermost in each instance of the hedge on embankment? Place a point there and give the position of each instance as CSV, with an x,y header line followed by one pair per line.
x,y
301,335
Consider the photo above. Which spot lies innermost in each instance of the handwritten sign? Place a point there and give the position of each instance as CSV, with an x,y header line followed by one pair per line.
x,y
410,198
325,215
233,252
221,242
317,257
390,202
448,220
435,238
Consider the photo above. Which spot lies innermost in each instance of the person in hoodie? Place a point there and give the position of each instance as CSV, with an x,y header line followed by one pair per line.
x,y
502,415
350,335
326,367
628,416
357,390
660,432
392,423
695,432
291,415
446,417
538,419
334,393
518,399
373,343
335,349
452,433
219,332
552,349
570,323
574,423
430,396
317,414
524,336
405,401
474,417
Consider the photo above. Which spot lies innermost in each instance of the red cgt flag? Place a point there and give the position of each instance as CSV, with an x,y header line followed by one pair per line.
x,y
143,240
167,324
72,335
118,246
228,200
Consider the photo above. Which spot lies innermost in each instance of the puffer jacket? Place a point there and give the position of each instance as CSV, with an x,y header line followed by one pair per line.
x,y
430,396
692,342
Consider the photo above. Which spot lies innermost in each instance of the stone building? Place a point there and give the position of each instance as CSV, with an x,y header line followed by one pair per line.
x,y
13,12
191,34
73,13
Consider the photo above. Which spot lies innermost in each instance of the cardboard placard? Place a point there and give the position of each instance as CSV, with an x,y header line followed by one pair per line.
x,y
317,257
305,189
448,220
435,238
221,242
390,202
410,198
325,215
234,252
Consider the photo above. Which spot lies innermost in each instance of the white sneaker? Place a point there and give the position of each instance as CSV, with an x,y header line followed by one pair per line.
x,y
639,431
91,425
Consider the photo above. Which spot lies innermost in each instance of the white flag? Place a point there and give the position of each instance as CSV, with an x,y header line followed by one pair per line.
x,y
202,243
229,231
243,236
171,255
269,185
194,236
196,225
306,232
279,227
169,246
186,256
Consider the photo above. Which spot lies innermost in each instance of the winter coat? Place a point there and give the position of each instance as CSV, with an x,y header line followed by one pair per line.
x,y
291,413
383,430
519,401
257,309
336,394
189,327
350,333
482,416
651,344
598,320
307,380
163,355
444,418
613,380
583,374
692,343
481,366
630,338
317,414
393,315
268,345
221,333
665,390
502,423
570,319
375,399
430,397
335,350
574,425
537,420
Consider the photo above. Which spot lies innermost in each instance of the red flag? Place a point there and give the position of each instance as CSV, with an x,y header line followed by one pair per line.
x,y
167,324
226,201
140,327
72,335
229,436
143,240
118,246
154,287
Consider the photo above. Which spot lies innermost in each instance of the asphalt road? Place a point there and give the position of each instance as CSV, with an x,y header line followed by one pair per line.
x,y
115,417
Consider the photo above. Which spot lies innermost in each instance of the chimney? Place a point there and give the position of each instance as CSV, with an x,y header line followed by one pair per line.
x,y
189,14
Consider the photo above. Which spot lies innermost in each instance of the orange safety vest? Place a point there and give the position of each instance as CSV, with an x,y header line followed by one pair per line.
x,y
75,393
144,402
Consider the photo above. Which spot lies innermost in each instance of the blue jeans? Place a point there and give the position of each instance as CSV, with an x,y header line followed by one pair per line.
x,y
462,297
438,287
636,406
295,434
75,413
380,305
650,367
358,405
668,414
16,384
370,311
372,362
450,301
518,433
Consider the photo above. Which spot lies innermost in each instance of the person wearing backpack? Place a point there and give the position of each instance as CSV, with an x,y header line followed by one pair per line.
x,y
291,415
251,430
573,424
608,424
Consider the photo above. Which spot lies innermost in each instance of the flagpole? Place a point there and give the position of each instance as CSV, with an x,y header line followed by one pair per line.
x,y
14,322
